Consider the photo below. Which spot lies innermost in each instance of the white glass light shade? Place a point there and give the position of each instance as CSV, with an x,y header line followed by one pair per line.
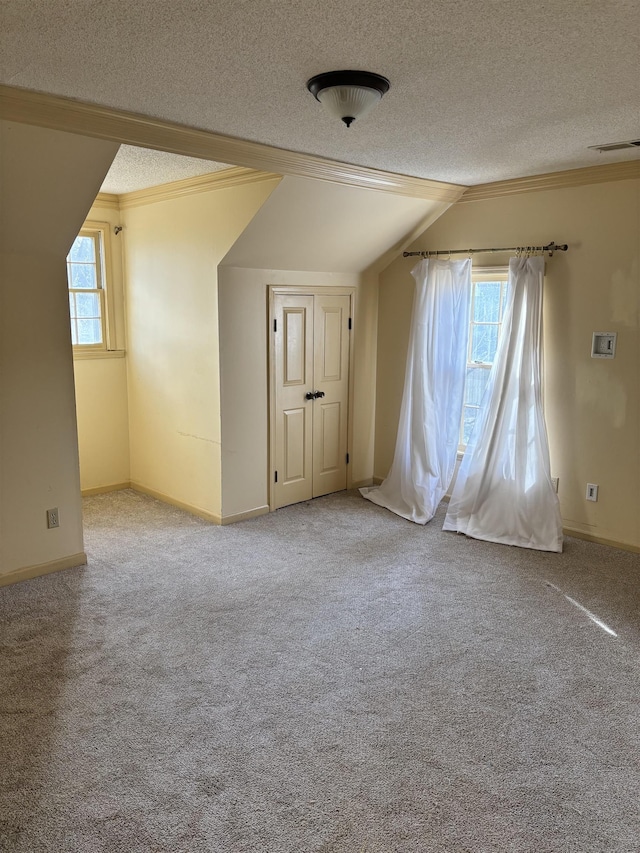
x,y
346,102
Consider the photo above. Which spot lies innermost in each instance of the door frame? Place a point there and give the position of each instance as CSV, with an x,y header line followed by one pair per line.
x,y
304,290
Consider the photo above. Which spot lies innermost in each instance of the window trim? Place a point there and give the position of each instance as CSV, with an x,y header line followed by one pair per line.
x,y
93,228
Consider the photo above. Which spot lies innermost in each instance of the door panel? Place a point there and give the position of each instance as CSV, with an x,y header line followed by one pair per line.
x,y
293,355
331,459
295,351
331,339
294,444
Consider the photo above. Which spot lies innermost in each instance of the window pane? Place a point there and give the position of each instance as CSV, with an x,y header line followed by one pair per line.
x,y
74,333
82,275
484,333
87,305
468,420
89,332
83,250
476,383
484,343
486,307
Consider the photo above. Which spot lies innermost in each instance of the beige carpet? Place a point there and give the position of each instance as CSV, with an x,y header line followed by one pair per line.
x,y
328,678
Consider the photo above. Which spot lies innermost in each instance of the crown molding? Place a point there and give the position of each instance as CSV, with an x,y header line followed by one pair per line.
x,y
65,114
626,170
107,200
220,180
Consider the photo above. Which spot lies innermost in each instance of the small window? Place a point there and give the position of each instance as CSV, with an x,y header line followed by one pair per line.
x,y
488,295
87,290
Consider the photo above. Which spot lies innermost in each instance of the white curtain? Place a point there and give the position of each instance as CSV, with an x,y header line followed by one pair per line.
x,y
429,427
503,491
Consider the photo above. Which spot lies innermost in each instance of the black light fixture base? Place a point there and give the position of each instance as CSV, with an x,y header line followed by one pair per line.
x,y
347,78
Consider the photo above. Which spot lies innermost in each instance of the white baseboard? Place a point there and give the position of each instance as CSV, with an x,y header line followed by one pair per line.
x,y
599,540
242,516
194,510
73,561
362,484
187,507
102,490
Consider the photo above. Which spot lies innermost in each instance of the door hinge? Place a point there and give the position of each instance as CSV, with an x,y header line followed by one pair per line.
x,y
349,323
347,458
275,325
275,479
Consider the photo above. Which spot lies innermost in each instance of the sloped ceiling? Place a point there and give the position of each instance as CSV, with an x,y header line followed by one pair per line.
x,y
319,226
64,173
480,91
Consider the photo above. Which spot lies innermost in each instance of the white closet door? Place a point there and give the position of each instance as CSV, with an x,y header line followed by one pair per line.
x,y
311,388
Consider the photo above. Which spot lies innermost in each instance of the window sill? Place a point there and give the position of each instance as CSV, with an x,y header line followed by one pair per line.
x,y
81,355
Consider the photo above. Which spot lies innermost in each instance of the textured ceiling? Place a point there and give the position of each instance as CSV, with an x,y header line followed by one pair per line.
x,y
481,90
139,168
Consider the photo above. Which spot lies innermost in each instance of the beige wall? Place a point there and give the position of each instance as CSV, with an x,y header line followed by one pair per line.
x,y
101,381
592,406
173,248
243,304
49,180
103,423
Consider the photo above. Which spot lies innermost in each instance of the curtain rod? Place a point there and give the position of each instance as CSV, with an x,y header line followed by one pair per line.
x,y
550,247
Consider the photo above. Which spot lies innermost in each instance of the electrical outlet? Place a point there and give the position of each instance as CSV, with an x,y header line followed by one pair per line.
x,y
592,492
554,483
604,345
53,519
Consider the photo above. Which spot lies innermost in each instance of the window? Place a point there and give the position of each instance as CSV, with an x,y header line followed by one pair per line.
x,y
88,289
487,306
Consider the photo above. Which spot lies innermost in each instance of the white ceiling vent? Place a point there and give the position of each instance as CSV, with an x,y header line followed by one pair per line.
x,y
616,146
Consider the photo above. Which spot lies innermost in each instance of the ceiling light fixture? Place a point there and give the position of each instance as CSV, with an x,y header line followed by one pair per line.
x,y
348,95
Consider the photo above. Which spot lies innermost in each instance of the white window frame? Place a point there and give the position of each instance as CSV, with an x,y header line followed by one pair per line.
x,y
481,274
100,233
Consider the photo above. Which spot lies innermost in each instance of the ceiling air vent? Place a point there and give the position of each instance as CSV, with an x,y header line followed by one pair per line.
x,y
616,146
